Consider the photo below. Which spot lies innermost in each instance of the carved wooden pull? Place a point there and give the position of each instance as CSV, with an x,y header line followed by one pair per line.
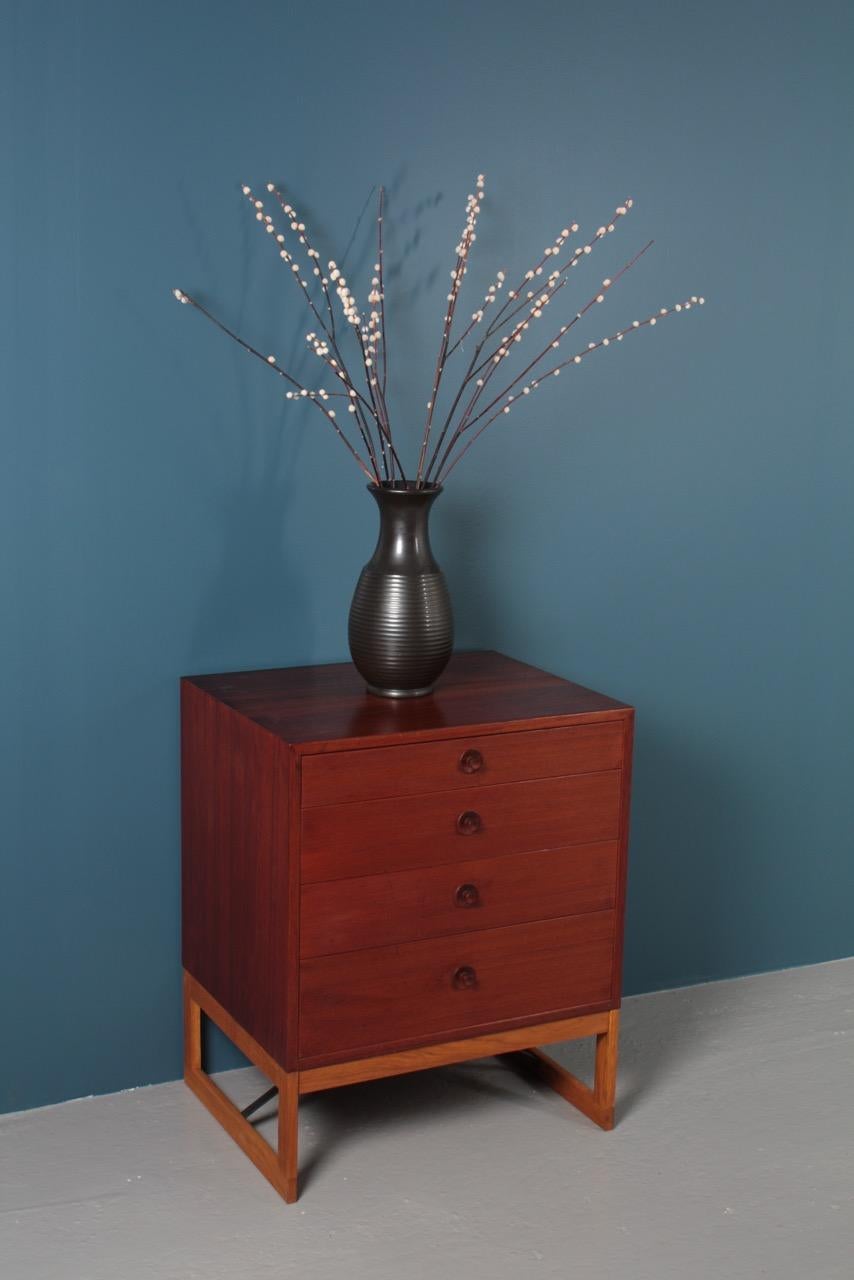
x,y
467,896
465,978
471,761
469,823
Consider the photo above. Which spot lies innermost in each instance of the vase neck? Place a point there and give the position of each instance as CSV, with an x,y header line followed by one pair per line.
x,y
403,545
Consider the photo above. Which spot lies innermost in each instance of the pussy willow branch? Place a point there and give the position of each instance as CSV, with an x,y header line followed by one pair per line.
x,y
380,267
574,360
529,301
533,305
469,418
354,318
492,327
338,371
370,343
375,399
489,300
269,361
317,271
497,320
466,241
377,412
383,344
355,396
504,346
506,323
280,241
501,317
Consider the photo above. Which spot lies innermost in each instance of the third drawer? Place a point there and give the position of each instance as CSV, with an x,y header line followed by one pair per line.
x,y
372,836
427,902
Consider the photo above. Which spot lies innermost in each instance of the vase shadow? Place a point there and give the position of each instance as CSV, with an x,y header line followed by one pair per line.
x,y
462,531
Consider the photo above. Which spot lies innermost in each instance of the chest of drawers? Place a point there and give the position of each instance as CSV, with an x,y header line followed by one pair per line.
x,y
373,887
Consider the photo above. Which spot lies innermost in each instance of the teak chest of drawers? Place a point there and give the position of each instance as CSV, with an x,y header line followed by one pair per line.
x,y
372,887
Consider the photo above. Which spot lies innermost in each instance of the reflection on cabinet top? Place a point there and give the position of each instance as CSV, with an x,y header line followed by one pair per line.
x,y
328,708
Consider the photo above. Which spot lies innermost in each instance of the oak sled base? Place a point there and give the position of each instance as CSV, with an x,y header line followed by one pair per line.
x,y
519,1046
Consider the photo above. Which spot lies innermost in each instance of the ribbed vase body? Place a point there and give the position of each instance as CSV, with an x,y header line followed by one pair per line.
x,y
401,627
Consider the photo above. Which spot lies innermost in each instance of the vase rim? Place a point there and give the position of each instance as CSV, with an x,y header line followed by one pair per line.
x,y
404,488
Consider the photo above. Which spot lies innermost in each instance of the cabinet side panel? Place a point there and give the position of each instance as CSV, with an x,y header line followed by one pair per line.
x,y
234,905
622,872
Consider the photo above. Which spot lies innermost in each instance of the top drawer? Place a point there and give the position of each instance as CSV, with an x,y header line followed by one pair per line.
x,y
376,772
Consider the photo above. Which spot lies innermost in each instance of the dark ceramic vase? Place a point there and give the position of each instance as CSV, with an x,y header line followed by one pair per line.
x,y
401,627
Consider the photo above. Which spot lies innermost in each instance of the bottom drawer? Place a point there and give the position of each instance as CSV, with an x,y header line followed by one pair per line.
x,y
358,1000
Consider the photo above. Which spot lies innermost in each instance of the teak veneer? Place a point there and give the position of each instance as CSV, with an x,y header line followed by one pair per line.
x,y
374,887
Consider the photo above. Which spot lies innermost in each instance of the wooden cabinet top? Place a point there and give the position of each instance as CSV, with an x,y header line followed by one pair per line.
x,y
327,706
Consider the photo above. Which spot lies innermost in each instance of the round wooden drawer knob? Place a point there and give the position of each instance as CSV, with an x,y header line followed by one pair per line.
x,y
471,761
467,896
465,978
469,823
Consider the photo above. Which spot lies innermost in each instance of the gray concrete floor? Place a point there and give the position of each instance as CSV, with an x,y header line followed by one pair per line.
x,y
733,1158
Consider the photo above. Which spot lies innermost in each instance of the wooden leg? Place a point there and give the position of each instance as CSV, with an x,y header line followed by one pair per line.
x,y
278,1166
192,1032
605,1078
289,1134
596,1103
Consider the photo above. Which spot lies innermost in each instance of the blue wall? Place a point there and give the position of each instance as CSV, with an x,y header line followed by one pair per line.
x,y
162,513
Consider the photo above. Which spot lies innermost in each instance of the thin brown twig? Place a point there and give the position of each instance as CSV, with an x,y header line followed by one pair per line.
x,y
599,296
304,392
380,262
280,242
573,360
466,240
467,420
528,304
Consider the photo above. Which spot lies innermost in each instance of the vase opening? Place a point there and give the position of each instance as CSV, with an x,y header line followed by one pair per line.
x,y
404,486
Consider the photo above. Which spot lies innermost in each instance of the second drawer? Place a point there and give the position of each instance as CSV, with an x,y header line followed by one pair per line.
x,y
369,836
427,902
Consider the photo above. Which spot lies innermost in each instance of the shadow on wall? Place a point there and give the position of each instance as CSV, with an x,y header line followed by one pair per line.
x,y
252,521
463,534
251,515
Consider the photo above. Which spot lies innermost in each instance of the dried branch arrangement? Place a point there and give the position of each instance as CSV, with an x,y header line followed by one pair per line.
x,y
487,389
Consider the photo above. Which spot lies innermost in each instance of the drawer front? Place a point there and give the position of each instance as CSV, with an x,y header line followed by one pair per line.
x,y
372,836
386,995
428,902
376,772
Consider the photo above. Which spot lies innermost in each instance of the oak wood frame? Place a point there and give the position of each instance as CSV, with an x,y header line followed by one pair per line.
x,y
519,1046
